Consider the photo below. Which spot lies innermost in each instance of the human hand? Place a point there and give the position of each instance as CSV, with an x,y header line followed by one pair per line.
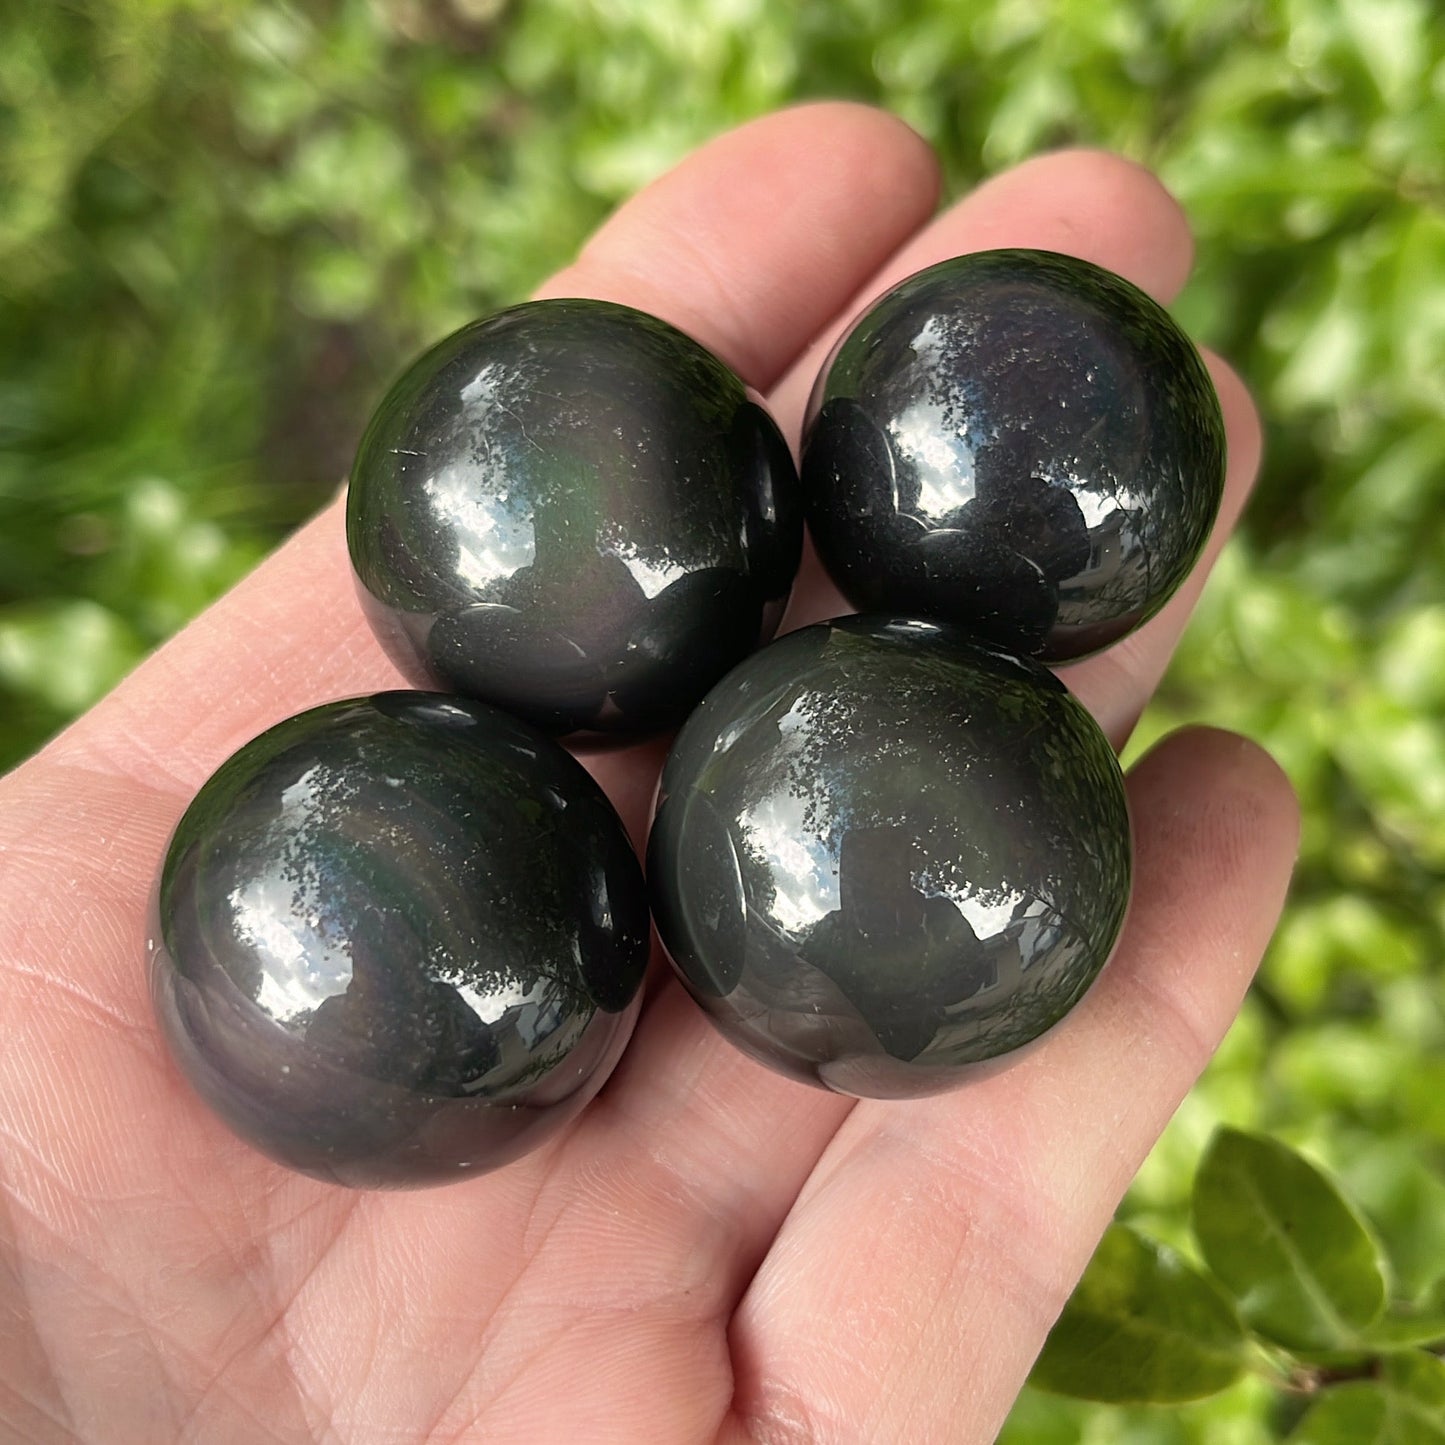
x,y
710,1251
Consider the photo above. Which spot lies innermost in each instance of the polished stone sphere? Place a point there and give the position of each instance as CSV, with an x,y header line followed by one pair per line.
x,y
398,938
1018,442
574,511
884,856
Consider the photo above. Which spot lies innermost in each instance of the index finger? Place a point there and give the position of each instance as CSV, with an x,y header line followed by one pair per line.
x,y
737,246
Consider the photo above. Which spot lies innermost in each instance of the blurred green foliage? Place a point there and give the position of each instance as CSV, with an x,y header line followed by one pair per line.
x,y
224,223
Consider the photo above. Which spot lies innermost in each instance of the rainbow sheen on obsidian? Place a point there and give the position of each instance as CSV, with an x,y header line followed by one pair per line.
x,y
885,856
1018,442
397,939
574,511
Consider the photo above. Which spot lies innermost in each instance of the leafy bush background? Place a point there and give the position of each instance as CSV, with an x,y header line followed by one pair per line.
x,y
223,223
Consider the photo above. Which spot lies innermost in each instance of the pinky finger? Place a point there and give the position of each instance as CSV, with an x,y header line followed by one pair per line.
x,y
917,1275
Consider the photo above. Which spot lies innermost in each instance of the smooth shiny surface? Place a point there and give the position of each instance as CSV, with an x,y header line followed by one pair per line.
x,y
576,512
398,938
1018,442
884,856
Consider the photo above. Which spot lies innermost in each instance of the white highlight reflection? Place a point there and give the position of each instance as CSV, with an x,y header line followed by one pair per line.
x,y
653,575
804,871
942,459
281,916
284,926
494,537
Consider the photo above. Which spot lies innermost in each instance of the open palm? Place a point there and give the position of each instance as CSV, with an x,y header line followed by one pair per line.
x,y
710,1251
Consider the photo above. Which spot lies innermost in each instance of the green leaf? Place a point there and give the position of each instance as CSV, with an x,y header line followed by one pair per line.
x,y
1303,1267
1419,1378
1406,1406
1143,1326
1401,1195
1390,37
1355,1414
1401,1329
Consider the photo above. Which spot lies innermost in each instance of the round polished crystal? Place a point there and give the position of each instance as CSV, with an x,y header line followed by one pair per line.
x,y
574,511
1019,442
884,855
398,938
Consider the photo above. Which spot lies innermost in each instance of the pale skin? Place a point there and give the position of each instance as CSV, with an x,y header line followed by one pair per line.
x,y
710,1253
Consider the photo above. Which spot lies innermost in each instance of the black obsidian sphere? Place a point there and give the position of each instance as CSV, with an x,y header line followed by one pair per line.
x,y
398,938
1018,442
574,511
884,856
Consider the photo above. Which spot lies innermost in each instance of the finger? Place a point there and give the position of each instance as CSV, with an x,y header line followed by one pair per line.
x,y
987,1203
1116,684
741,249
786,243
1091,204
1078,202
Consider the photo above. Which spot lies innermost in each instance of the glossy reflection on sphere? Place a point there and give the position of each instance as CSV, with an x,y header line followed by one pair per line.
x,y
884,855
397,938
1018,442
573,510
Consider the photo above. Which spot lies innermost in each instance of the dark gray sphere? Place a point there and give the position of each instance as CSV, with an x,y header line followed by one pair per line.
x,y
576,512
398,938
884,855
1018,442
